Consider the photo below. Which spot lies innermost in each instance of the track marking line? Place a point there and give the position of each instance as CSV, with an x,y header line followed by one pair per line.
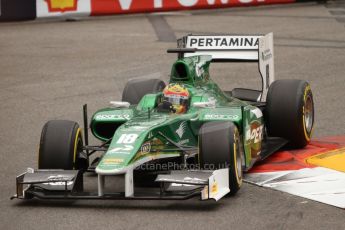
x,y
334,159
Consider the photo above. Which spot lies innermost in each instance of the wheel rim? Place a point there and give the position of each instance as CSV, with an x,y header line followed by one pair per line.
x,y
78,148
309,114
238,160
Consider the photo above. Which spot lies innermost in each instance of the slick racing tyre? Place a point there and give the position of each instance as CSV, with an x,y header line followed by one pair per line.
x,y
219,147
135,89
290,111
61,146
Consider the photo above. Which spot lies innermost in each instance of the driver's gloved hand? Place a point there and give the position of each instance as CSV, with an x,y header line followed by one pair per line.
x,y
166,106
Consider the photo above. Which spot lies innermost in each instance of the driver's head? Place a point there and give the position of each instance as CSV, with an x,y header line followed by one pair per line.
x,y
178,96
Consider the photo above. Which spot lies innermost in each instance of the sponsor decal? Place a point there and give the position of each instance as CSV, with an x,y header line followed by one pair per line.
x,y
110,161
254,137
62,5
107,117
192,179
59,180
214,189
181,185
146,147
221,116
223,42
138,128
123,149
135,6
181,129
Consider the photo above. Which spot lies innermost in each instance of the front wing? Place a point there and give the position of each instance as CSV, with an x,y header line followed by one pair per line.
x,y
68,185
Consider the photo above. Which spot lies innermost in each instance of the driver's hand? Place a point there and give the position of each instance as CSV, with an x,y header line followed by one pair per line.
x,y
166,106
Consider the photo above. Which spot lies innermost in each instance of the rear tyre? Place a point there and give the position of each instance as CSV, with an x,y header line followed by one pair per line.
x,y
135,89
290,111
219,147
61,146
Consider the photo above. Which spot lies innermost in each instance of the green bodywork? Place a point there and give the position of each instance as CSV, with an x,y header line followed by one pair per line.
x,y
140,133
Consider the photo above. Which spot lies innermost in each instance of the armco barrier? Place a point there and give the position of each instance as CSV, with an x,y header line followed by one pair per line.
x,y
30,9
15,10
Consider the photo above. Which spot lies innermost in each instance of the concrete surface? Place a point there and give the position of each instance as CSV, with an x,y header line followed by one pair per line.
x,y
49,69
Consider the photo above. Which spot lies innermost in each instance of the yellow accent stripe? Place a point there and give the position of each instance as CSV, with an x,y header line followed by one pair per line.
x,y
304,127
334,159
235,164
306,90
75,147
239,180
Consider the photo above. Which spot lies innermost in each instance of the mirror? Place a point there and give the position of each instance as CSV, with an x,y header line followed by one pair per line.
x,y
120,104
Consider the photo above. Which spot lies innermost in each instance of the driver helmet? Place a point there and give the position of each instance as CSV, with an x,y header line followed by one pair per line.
x,y
178,96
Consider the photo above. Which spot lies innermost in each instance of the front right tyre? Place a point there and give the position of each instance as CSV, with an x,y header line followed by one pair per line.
x,y
61,146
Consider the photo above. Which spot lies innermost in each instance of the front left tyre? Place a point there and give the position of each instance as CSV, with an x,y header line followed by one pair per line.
x,y
219,147
61,146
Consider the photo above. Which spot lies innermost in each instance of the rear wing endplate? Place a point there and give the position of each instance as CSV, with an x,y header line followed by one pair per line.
x,y
234,48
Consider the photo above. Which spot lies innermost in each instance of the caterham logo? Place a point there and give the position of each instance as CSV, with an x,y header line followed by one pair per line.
x,y
146,147
181,129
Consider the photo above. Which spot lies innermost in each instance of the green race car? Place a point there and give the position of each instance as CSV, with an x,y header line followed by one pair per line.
x,y
178,140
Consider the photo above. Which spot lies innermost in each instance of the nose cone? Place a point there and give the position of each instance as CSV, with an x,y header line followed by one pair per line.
x,y
129,140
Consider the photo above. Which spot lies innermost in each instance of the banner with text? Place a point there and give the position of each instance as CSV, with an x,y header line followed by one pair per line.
x,y
53,8
101,7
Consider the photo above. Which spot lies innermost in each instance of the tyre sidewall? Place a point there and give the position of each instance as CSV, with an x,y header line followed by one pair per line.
x,y
219,145
284,114
59,144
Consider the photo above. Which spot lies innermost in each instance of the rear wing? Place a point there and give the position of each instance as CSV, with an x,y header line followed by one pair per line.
x,y
234,48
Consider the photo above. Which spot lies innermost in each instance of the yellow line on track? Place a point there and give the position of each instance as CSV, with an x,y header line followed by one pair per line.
x,y
334,159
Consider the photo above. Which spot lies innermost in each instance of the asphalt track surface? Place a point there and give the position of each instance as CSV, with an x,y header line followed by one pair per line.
x,y
48,69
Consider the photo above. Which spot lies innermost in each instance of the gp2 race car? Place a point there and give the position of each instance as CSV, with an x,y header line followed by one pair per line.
x,y
188,138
